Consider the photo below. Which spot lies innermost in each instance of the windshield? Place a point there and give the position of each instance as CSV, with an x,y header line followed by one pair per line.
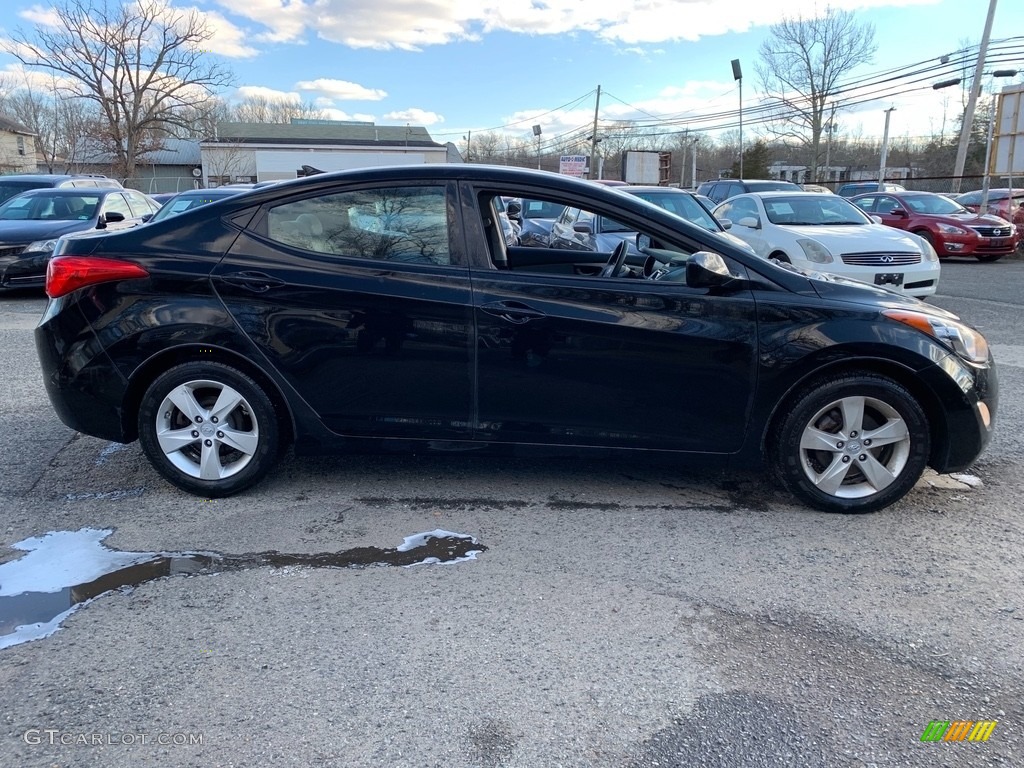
x,y
181,204
50,208
541,209
932,204
811,210
683,206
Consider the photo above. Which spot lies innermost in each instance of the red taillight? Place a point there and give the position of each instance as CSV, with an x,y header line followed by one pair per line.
x,y
65,274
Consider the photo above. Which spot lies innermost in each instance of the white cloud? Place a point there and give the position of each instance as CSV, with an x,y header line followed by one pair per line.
x,y
415,116
260,91
226,39
40,16
385,24
340,114
341,89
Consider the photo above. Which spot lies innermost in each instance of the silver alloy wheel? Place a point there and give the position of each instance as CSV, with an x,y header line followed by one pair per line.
x,y
854,447
207,430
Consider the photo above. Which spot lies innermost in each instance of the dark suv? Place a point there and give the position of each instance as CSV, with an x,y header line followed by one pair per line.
x,y
863,187
722,189
17,183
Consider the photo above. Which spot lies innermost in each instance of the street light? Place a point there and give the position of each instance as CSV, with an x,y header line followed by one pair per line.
x,y
536,132
737,74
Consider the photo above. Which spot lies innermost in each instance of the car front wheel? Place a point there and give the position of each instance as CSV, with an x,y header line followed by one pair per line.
x,y
851,443
208,428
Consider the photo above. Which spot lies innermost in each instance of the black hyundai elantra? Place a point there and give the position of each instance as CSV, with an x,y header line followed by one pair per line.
x,y
345,310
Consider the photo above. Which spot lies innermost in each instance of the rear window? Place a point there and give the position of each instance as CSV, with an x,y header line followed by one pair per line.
x,y
9,189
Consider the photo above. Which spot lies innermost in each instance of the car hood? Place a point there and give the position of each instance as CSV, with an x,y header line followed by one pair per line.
x,y
854,238
837,288
970,219
27,231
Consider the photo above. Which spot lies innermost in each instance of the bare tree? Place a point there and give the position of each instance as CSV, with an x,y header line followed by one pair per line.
x,y
259,108
800,66
141,63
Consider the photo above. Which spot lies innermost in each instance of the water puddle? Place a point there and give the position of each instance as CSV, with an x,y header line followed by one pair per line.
x,y
65,570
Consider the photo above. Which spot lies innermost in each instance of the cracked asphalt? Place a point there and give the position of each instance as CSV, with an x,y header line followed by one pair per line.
x,y
625,613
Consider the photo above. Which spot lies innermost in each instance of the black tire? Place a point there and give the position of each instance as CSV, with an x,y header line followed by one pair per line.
x,y
926,235
184,438
829,466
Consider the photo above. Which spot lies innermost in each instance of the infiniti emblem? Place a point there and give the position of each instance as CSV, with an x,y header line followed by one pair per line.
x,y
885,259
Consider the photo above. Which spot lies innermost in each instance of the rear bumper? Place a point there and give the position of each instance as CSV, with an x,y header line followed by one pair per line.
x,y
84,386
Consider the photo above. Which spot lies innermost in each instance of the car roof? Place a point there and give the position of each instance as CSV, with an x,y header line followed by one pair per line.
x,y
633,188
71,191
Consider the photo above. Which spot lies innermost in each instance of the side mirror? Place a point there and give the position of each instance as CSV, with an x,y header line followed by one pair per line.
x,y
514,210
725,223
146,217
583,228
751,222
898,212
643,242
705,269
876,219
112,217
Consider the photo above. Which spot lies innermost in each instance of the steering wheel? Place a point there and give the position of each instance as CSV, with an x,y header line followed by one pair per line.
x,y
616,260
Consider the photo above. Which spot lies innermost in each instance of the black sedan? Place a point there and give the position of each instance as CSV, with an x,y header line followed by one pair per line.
x,y
31,223
353,308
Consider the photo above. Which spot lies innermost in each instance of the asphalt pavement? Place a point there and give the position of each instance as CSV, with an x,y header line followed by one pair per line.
x,y
624,612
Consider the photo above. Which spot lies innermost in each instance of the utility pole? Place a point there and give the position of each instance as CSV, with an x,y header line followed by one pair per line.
x,y
737,74
885,150
593,139
972,100
828,143
693,175
682,165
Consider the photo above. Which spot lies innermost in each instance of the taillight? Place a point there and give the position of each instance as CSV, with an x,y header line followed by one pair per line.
x,y
65,274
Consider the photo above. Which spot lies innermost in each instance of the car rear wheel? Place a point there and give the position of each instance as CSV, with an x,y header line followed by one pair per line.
x,y
209,429
852,443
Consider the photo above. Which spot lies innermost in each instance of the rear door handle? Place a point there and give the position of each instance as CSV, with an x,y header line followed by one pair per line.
x,y
512,312
257,282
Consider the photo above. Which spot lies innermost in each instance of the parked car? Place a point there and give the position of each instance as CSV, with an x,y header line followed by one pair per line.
x,y
15,184
829,233
948,226
686,205
535,218
862,187
193,198
999,204
723,189
382,304
819,188
31,223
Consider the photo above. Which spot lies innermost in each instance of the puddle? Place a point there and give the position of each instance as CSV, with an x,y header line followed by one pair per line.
x,y
65,570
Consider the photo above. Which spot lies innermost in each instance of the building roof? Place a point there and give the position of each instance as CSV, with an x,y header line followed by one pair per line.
x,y
6,124
171,152
326,132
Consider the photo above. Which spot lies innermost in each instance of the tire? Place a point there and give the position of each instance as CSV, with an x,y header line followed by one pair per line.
x,y
819,459
924,234
180,437
781,257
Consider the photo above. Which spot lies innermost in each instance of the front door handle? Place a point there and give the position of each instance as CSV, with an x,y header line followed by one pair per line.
x,y
512,312
257,282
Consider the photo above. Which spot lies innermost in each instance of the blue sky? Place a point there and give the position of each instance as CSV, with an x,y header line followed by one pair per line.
x,y
473,65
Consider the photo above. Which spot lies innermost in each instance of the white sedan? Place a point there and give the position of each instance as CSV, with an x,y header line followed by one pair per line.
x,y
826,233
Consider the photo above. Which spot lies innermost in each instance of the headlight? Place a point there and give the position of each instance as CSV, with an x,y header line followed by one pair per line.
x,y
927,250
815,251
949,229
964,340
42,245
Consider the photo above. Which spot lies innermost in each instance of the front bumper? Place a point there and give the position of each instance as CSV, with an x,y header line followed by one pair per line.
x,y
22,269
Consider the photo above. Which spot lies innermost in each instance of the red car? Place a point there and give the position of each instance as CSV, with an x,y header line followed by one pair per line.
x,y
948,226
999,204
